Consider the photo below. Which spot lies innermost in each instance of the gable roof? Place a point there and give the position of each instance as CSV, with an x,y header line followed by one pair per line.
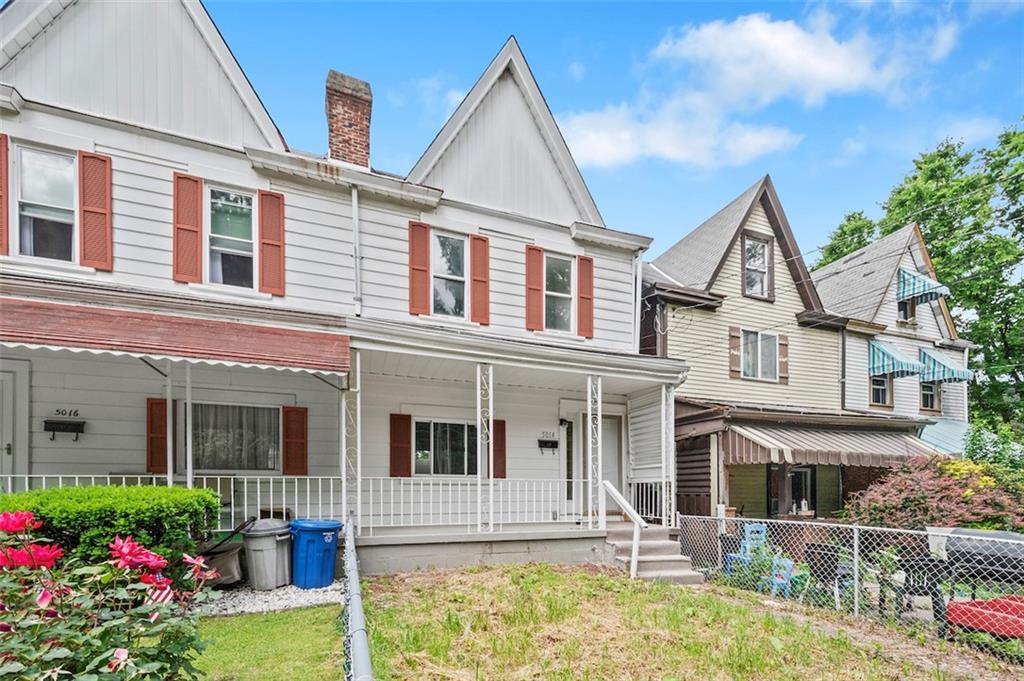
x,y
696,260
857,284
511,60
25,27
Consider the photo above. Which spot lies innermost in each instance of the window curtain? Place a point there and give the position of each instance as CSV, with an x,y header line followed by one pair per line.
x,y
229,437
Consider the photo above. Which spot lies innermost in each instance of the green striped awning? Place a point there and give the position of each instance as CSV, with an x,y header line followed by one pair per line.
x,y
937,370
884,360
919,287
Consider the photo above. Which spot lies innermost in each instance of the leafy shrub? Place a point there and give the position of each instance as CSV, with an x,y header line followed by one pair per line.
x,y
940,492
119,619
85,520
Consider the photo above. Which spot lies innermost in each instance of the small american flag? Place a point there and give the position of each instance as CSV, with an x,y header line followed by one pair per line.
x,y
158,595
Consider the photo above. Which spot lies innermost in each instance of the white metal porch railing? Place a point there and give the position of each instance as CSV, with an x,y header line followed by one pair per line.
x,y
648,500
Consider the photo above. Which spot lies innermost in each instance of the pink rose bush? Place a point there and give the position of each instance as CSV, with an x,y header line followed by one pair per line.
x,y
120,619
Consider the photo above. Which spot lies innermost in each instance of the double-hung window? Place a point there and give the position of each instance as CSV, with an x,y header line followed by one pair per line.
x,y
444,448
906,310
46,204
881,391
755,260
760,355
558,298
231,251
931,396
448,272
228,437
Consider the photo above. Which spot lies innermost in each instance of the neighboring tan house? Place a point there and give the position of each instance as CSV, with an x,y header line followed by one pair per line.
x,y
903,356
760,423
186,300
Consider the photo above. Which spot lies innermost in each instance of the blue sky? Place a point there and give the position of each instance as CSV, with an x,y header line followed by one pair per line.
x,y
671,109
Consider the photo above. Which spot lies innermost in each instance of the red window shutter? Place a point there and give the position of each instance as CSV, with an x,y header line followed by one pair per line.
x,y
585,296
271,243
295,439
188,228
735,347
419,268
156,435
499,448
95,211
480,276
783,359
401,446
4,194
534,288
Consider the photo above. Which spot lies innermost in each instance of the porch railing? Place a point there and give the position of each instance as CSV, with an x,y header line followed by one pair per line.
x,y
646,498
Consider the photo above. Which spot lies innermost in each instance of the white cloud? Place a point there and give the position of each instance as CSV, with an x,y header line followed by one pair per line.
x,y
850,148
973,130
577,71
453,98
944,41
436,97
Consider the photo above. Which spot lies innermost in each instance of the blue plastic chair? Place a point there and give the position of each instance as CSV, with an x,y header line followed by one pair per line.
x,y
781,578
755,536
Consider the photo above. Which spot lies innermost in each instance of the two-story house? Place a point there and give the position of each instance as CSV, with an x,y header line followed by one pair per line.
x,y
902,353
760,422
186,300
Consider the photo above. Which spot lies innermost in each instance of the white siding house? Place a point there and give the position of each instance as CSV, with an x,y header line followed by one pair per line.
x,y
453,350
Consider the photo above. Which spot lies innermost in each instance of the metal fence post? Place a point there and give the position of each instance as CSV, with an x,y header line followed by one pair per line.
x,y
856,570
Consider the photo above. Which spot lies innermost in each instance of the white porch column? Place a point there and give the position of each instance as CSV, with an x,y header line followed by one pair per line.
x,y
668,478
484,442
188,425
595,488
169,399
342,453
350,440
357,420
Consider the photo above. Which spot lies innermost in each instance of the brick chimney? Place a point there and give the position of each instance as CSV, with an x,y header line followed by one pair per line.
x,y
348,106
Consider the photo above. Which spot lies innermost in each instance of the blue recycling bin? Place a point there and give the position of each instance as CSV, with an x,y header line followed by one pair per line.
x,y
314,551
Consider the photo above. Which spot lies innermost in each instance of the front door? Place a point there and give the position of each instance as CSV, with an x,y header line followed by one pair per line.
x,y
611,449
7,443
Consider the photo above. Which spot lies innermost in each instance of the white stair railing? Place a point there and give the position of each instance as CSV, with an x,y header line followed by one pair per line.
x,y
638,523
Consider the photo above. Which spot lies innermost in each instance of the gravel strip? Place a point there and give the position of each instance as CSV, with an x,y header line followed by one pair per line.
x,y
246,599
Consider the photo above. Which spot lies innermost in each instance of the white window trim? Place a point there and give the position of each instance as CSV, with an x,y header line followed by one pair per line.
x,y
936,396
208,232
14,211
572,259
767,285
465,274
889,387
431,474
760,335
226,472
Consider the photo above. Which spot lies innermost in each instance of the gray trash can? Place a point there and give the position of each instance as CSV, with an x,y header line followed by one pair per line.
x,y
268,548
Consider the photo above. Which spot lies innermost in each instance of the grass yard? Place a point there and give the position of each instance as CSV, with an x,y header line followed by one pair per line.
x,y
549,622
296,644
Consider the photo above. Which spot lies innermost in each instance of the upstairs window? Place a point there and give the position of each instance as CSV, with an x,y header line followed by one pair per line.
x,y
442,448
557,292
448,271
231,243
881,391
906,310
756,278
931,396
46,206
760,355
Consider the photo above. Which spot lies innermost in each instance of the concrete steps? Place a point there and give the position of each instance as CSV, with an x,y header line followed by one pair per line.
x,y
659,557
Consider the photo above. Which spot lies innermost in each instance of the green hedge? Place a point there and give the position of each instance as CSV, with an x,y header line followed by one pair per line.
x,y
84,520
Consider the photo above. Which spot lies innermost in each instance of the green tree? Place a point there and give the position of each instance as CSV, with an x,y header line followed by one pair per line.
x,y
970,207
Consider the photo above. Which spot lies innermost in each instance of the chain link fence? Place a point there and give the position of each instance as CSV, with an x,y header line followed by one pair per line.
x,y
957,584
356,644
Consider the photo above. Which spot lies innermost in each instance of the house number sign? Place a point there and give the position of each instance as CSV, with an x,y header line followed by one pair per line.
x,y
72,413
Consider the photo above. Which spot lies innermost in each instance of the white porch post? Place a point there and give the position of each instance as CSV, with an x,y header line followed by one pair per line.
x,y
358,422
351,438
168,398
342,452
595,495
667,455
484,442
188,425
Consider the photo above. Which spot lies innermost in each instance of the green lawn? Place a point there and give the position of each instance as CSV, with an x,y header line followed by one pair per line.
x,y
293,645
547,622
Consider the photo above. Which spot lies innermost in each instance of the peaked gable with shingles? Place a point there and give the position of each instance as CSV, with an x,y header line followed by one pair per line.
x,y
159,65
502,149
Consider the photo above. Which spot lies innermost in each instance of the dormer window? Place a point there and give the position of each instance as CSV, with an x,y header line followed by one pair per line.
x,y
757,266
906,310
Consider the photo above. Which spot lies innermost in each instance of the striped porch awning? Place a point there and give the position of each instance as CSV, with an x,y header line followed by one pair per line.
x,y
919,287
762,444
884,360
935,370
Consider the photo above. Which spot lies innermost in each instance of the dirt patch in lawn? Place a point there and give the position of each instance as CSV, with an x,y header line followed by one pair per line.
x,y
592,622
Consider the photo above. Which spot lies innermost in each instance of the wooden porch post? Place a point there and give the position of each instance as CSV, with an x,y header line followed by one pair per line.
x,y
168,398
